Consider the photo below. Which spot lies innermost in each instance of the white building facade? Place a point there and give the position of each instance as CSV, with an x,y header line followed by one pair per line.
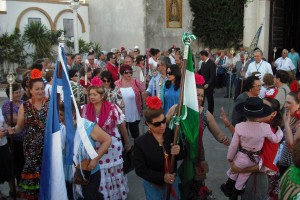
x,y
54,14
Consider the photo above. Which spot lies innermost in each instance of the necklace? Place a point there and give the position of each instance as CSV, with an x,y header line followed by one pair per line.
x,y
33,111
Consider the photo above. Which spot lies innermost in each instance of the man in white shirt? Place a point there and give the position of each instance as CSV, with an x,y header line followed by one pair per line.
x,y
284,63
259,65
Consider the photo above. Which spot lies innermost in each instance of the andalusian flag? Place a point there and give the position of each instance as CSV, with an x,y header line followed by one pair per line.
x,y
190,121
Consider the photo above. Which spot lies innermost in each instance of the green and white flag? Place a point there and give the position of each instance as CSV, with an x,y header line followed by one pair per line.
x,y
190,121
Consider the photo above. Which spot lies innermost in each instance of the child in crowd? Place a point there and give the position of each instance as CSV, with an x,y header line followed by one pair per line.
x,y
247,143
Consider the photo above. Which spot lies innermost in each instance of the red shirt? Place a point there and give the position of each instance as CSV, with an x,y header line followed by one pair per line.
x,y
269,152
113,70
82,82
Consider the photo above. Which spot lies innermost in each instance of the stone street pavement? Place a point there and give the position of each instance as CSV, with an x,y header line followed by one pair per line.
x,y
215,155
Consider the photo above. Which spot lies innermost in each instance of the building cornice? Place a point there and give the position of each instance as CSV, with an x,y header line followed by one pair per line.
x,y
50,1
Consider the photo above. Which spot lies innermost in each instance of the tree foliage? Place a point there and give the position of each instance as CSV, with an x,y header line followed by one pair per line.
x,y
218,23
37,35
12,48
84,46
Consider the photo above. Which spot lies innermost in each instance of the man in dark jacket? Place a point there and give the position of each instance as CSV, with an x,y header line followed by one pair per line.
x,y
208,71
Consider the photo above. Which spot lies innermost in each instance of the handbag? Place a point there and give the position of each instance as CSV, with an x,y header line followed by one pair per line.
x,y
128,164
82,175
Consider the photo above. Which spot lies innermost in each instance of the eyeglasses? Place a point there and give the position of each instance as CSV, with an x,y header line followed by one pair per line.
x,y
113,58
170,73
105,81
157,124
127,72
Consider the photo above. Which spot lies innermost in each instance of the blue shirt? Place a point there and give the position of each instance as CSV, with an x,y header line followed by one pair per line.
x,y
171,97
158,86
294,57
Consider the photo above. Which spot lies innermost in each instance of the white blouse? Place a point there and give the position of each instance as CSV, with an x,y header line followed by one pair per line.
x,y
131,111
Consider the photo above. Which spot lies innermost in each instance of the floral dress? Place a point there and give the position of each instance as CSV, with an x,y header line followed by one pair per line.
x,y
113,181
34,123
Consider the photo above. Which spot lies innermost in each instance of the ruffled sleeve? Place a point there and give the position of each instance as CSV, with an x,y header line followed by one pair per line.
x,y
119,115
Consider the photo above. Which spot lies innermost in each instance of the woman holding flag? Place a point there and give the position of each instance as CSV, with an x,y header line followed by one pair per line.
x,y
196,187
32,116
152,153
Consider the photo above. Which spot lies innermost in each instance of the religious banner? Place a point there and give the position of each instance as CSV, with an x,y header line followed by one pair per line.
x,y
174,13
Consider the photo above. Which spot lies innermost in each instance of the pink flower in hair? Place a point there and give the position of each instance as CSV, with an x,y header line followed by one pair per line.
x,y
199,79
96,81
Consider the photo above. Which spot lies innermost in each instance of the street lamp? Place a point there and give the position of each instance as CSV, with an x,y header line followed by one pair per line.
x,y
75,5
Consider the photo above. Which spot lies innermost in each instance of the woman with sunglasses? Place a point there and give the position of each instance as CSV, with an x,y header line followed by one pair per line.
x,y
110,88
153,151
172,87
110,118
190,188
76,86
131,90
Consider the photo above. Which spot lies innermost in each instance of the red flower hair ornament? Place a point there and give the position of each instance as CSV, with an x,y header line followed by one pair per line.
x,y
153,103
199,79
96,81
35,74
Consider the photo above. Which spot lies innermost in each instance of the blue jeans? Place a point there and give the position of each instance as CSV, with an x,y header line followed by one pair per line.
x,y
233,82
155,192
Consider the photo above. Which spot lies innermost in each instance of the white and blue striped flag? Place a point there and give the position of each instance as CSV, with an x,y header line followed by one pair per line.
x,y
52,182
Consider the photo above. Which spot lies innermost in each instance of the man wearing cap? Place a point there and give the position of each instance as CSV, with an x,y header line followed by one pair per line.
x,y
136,51
123,53
259,65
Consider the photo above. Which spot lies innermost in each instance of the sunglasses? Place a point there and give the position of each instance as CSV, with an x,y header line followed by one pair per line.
x,y
170,73
105,81
157,124
128,72
113,58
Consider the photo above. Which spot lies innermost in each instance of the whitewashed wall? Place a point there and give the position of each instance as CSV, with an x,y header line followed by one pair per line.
x,y
14,9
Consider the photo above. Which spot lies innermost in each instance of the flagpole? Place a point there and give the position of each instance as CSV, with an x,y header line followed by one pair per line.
x,y
11,79
230,79
145,86
61,40
187,39
243,68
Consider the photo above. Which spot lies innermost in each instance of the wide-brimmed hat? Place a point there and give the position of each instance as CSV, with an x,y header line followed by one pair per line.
x,y
253,107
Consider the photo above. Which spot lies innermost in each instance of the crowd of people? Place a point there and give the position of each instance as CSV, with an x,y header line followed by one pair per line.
x,y
115,91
